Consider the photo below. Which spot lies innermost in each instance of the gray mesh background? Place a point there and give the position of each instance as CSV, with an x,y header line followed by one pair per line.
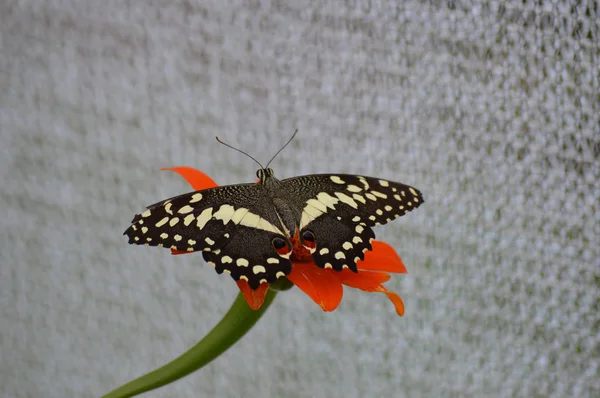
x,y
492,110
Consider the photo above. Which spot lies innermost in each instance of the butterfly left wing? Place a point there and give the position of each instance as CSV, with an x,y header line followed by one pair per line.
x,y
340,209
234,226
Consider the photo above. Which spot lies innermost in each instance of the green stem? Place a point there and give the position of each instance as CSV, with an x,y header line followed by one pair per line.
x,y
236,322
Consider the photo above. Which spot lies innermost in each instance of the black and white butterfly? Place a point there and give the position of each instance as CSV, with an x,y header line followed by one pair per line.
x,y
246,229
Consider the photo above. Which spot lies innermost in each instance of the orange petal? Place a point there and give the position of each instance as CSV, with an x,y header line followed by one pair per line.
x,y
176,252
396,300
197,179
383,257
318,284
254,298
368,281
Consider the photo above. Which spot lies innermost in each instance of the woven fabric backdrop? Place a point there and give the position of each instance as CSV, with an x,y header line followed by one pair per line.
x,y
491,109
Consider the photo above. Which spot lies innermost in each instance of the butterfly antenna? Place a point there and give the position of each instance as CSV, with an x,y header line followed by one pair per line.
x,y
240,151
282,148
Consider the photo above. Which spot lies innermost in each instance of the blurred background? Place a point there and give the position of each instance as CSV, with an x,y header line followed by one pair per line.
x,y
492,109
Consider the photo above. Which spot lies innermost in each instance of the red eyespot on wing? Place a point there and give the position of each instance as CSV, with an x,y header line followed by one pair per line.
x,y
309,240
281,246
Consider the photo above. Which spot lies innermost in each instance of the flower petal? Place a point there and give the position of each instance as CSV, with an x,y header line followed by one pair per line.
x,y
254,298
369,281
396,300
197,179
318,284
383,257
177,252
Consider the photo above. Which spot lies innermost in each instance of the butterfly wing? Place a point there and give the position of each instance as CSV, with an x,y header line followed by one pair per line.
x,y
232,225
340,209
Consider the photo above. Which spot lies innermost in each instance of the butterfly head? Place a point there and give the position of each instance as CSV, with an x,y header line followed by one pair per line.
x,y
264,175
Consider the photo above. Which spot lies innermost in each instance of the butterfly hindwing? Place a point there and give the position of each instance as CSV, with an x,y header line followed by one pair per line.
x,y
339,244
250,255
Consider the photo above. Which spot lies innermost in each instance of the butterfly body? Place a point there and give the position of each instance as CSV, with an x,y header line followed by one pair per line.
x,y
248,230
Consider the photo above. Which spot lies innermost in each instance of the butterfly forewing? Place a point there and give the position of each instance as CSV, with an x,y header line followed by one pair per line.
x,y
233,226
341,208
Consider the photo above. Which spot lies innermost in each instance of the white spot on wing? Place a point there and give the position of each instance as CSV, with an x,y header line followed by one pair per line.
x,y
185,209
337,180
384,183
346,199
272,260
242,262
162,222
357,240
363,180
146,214
359,198
316,204
191,242
413,192
168,208
197,197
177,238
279,274
347,246
209,241
255,221
226,260
188,219
174,221
204,217
224,213
144,230
379,194
238,215
340,255
327,200
164,235
370,196
258,269
324,251
353,188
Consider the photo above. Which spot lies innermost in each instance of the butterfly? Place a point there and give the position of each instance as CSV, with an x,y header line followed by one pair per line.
x,y
248,230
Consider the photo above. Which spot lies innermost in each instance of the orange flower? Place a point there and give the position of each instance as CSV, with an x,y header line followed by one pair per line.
x,y
324,286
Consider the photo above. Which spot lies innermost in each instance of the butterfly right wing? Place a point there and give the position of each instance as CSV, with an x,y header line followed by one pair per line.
x,y
340,209
232,225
